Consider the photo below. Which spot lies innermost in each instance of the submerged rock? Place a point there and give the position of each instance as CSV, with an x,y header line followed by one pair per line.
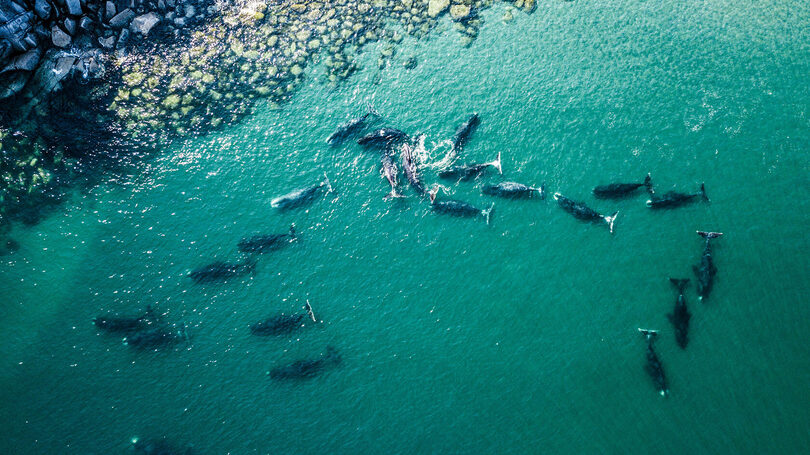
x,y
436,7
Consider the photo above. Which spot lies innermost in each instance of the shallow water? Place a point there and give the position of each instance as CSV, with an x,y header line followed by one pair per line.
x,y
455,336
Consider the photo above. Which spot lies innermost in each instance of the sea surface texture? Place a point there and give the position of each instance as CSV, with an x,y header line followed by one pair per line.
x,y
454,336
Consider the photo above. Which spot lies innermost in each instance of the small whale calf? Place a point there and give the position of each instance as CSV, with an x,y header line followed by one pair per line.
x,y
116,324
458,208
220,271
583,212
514,190
410,168
301,196
281,324
653,366
706,270
382,137
672,199
467,172
350,127
620,190
308,368
680,314
390,171
266,242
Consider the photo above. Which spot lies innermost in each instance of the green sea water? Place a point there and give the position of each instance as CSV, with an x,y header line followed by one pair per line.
x,y
456,337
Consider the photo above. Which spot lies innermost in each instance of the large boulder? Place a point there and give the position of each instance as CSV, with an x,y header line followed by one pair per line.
x,y
43,8
144,23
74,7
122,19
15,28
59,37
15,75
459,12
435,7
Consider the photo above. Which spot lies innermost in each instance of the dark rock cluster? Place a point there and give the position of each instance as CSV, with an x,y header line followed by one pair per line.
x,y
44,42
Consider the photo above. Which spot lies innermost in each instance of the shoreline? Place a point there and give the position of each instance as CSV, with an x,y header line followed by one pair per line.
x,y
165,81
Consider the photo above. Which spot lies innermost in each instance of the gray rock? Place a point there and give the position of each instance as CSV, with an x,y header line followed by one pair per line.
x,y
15,29
190,10
109,10
43,9
74,7
70,26
59,37
180,22
161,6
86,23
30,40
24,62
122,19
122,39
107,43
144,23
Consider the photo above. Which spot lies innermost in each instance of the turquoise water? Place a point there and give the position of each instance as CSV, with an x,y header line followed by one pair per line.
x,y
456,337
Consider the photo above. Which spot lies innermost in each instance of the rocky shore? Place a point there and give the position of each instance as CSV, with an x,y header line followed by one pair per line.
x,y
86,83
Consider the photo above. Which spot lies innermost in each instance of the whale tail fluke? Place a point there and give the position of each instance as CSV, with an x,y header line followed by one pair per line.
x,y
292,231
709,235
543,190
610,219
393,194
488,212
497,164
703,192
648,182
680,283
432,193
650,334
328,184
311,314
371,111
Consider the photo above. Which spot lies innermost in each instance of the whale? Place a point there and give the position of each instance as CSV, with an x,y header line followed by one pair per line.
x,y
159,447
459,139
514,190
583,212
464,131
653,366
619,190
117,324
155,338
389,171
470,171
458,208
281,324
220,271
672,199
382,137
307,368
706,271
266,242
349,128
301,196
410,168
680,314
